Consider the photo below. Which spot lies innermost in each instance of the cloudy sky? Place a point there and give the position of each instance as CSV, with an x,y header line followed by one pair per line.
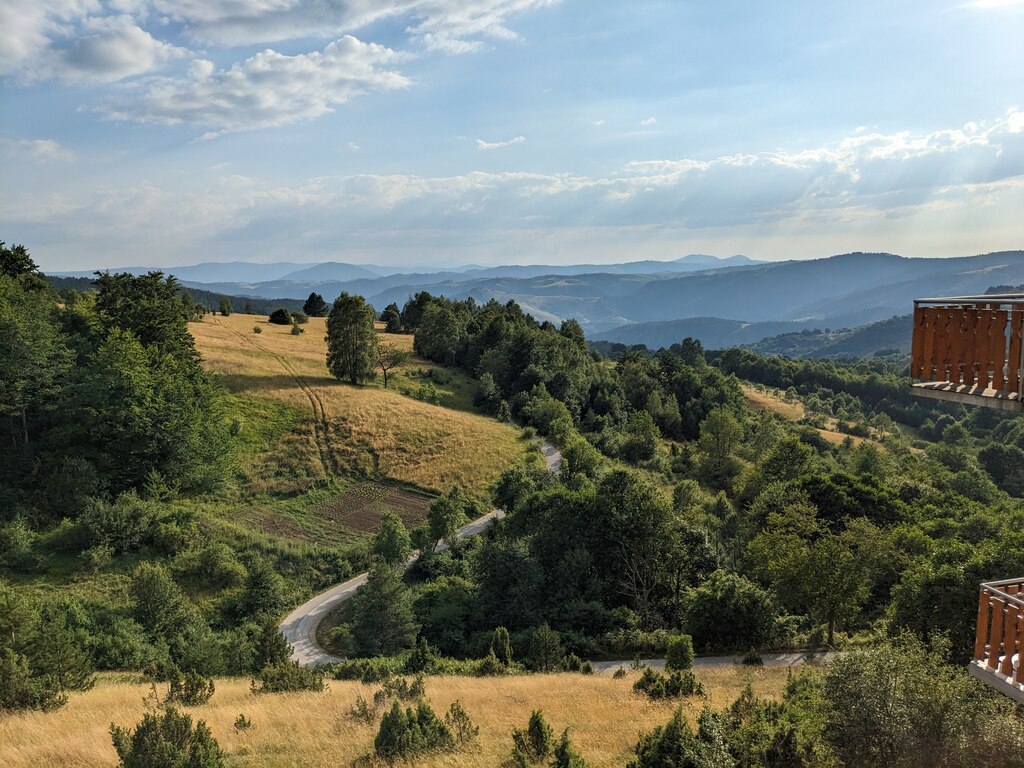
x,y
440,132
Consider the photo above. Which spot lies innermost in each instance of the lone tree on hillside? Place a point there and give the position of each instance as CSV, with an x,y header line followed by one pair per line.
x,y
351,339
315,306
225,306
390,357
392,318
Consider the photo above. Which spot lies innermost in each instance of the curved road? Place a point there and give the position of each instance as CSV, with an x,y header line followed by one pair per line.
x,y
299,626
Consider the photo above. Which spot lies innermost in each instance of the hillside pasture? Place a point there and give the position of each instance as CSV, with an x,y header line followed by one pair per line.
x,y
366,432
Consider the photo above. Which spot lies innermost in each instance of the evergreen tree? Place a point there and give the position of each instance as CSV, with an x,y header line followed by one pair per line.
x,y
315,306
280,316
351,340
167,741
15,261
501,646
225,306
565,756
384,623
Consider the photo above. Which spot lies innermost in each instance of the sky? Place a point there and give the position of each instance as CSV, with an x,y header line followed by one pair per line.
x,y
442,132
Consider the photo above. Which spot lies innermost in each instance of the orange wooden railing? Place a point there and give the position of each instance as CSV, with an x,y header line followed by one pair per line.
x,y
974,344
1000,637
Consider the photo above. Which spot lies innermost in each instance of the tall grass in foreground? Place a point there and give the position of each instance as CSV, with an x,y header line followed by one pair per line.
x,y
316,729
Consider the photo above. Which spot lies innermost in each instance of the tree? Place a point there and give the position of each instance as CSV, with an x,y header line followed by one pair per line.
x,y
225,306
533,743
729,611
412,731
384,622
280,316
392,543
391,318
315,306
351,339
720,433
390,356
680,653
546,648
16,262
167,741
565,755
501,646
444,518
439,334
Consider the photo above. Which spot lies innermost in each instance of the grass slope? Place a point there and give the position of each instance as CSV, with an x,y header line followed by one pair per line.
x,y
365,432
605,718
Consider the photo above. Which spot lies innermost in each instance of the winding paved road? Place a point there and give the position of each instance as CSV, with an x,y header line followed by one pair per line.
x,y
299,626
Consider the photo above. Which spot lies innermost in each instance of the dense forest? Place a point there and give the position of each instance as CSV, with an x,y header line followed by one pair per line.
x,y
680,518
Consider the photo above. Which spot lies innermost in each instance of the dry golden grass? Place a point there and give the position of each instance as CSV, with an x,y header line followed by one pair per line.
x,y
604,716
367,431
764,401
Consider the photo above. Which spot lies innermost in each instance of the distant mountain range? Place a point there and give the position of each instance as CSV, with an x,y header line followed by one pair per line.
x,y
722,301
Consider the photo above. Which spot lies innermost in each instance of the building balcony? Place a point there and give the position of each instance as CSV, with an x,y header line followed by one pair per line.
x,y
1000,637
968,349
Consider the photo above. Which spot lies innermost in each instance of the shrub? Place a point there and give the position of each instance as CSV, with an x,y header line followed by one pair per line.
x,y
287,676
401,688
296,330
501,646
280,316
189,688
257,329
363,710
404,733
462,728
565,755
20,690
680,653
490,666
752,658
300,318
242,723
672,686
534,743
167,741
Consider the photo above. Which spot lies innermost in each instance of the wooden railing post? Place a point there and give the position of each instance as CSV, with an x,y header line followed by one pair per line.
x,y
983,620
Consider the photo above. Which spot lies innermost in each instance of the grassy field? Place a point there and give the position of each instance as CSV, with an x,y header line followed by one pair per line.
x,y
605,718
369,432
794,411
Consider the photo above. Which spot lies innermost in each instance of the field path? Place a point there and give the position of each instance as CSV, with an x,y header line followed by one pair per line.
x,y
299,626
321,424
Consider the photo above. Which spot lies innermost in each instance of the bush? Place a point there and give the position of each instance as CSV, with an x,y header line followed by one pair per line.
x,y
287,676
403,734
297,331
363,711
462,728
20,690
400,688
680,653
167,741
491,666
672,686
534,743
300,318
728,611
565,755
189,689
257,329
280,316
545,649
242,723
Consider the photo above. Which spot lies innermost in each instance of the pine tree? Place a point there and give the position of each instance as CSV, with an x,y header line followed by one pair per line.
x,y
385,622
315,306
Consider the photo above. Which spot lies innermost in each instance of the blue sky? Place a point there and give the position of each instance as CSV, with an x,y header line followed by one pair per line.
x,y
439,132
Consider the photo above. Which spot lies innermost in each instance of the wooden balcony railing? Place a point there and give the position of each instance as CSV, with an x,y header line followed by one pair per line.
x,y
969,349
1000,637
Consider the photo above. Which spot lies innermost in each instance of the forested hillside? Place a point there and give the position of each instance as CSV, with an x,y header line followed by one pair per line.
x,y
168,500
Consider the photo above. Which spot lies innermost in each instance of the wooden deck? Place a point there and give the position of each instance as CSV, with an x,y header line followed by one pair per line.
x,y
970,350
1000,637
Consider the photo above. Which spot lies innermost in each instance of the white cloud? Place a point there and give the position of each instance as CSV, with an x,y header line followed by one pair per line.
x,y
353,147
649,121
108,49
864,185
598,123
266,90
453,26
488,145
27,27
36,150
